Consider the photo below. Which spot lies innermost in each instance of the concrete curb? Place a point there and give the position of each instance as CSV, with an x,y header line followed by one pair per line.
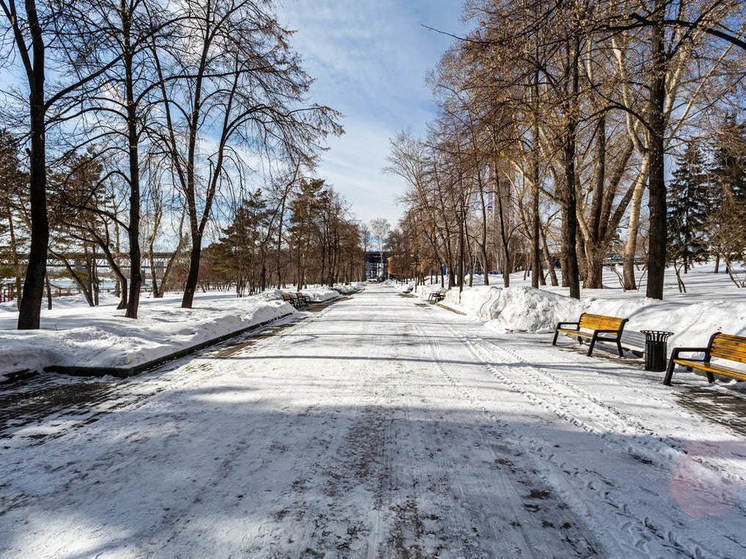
x,y
124,372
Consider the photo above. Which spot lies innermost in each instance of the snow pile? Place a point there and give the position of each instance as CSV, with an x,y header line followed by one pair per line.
x,y
347,289
476,301
317,294
526,309
103,337
320,294
424,290
713,304
533,310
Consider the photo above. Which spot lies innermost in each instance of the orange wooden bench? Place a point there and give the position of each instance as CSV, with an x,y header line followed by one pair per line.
x,y
721,346
594,327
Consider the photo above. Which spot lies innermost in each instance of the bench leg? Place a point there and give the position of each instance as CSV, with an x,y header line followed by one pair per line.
x,y
554,341
619,348
710,377
590,347
669,372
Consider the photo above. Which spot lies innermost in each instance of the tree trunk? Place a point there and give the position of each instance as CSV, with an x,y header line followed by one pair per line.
x,y
595,265
76,278
193,275
550,264
656,176
49,292
535,223
483,246
156,292
461,250
94,275
29,313
133,229
633,228
570,206
279,243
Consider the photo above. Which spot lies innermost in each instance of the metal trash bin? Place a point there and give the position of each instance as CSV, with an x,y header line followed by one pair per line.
x,y
656,349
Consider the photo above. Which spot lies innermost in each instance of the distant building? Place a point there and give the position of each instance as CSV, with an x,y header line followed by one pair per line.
x,y
375,267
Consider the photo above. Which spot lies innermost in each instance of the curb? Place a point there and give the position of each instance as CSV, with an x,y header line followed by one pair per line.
x,y
124,372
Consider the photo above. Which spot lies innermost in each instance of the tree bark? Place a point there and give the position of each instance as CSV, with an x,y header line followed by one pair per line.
x,y
633,228
569,231
550,264
193,275
29,313
49,292
133,229
656,176
595,245
535,224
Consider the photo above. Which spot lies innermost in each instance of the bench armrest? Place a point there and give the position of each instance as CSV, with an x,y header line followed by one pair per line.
x,y
563,324
677,350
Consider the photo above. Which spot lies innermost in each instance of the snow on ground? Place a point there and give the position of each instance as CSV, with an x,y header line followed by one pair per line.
x,y
74,334
713,303
381,426
349,288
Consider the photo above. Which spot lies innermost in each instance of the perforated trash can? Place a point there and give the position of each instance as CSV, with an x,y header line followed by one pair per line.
x,y
656,349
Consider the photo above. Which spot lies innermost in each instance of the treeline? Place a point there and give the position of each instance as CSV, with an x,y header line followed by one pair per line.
x,y
298,235
556,124
145,121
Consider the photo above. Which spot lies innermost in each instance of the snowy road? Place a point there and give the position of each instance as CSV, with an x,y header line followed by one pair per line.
x,y
379,427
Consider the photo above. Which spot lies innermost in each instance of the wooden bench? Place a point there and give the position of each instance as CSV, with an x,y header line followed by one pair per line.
x,y
437,296
292,298
303,300
594,327
721,346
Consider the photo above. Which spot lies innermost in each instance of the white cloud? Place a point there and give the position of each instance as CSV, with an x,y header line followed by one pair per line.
x,y
370,60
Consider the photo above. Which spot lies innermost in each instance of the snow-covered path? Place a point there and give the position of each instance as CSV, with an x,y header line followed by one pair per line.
x,y
379,427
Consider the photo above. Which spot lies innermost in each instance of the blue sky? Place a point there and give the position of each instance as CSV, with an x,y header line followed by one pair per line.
x,y
370,60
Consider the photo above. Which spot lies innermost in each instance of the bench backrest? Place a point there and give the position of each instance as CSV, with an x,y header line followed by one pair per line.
x,y
287,297
601,322
728,347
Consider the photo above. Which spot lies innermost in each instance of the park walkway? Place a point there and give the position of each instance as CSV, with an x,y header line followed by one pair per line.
x,y
381,426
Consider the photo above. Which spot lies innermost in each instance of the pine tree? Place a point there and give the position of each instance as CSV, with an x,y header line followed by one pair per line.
x,y
238,248
688,212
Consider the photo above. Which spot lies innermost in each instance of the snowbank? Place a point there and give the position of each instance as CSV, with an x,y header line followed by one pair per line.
x,y
316,293
320,294
712,304
103,337
349,289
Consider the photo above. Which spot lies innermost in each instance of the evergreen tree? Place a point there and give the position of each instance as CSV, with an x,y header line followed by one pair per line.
x,y
238,249
688,212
